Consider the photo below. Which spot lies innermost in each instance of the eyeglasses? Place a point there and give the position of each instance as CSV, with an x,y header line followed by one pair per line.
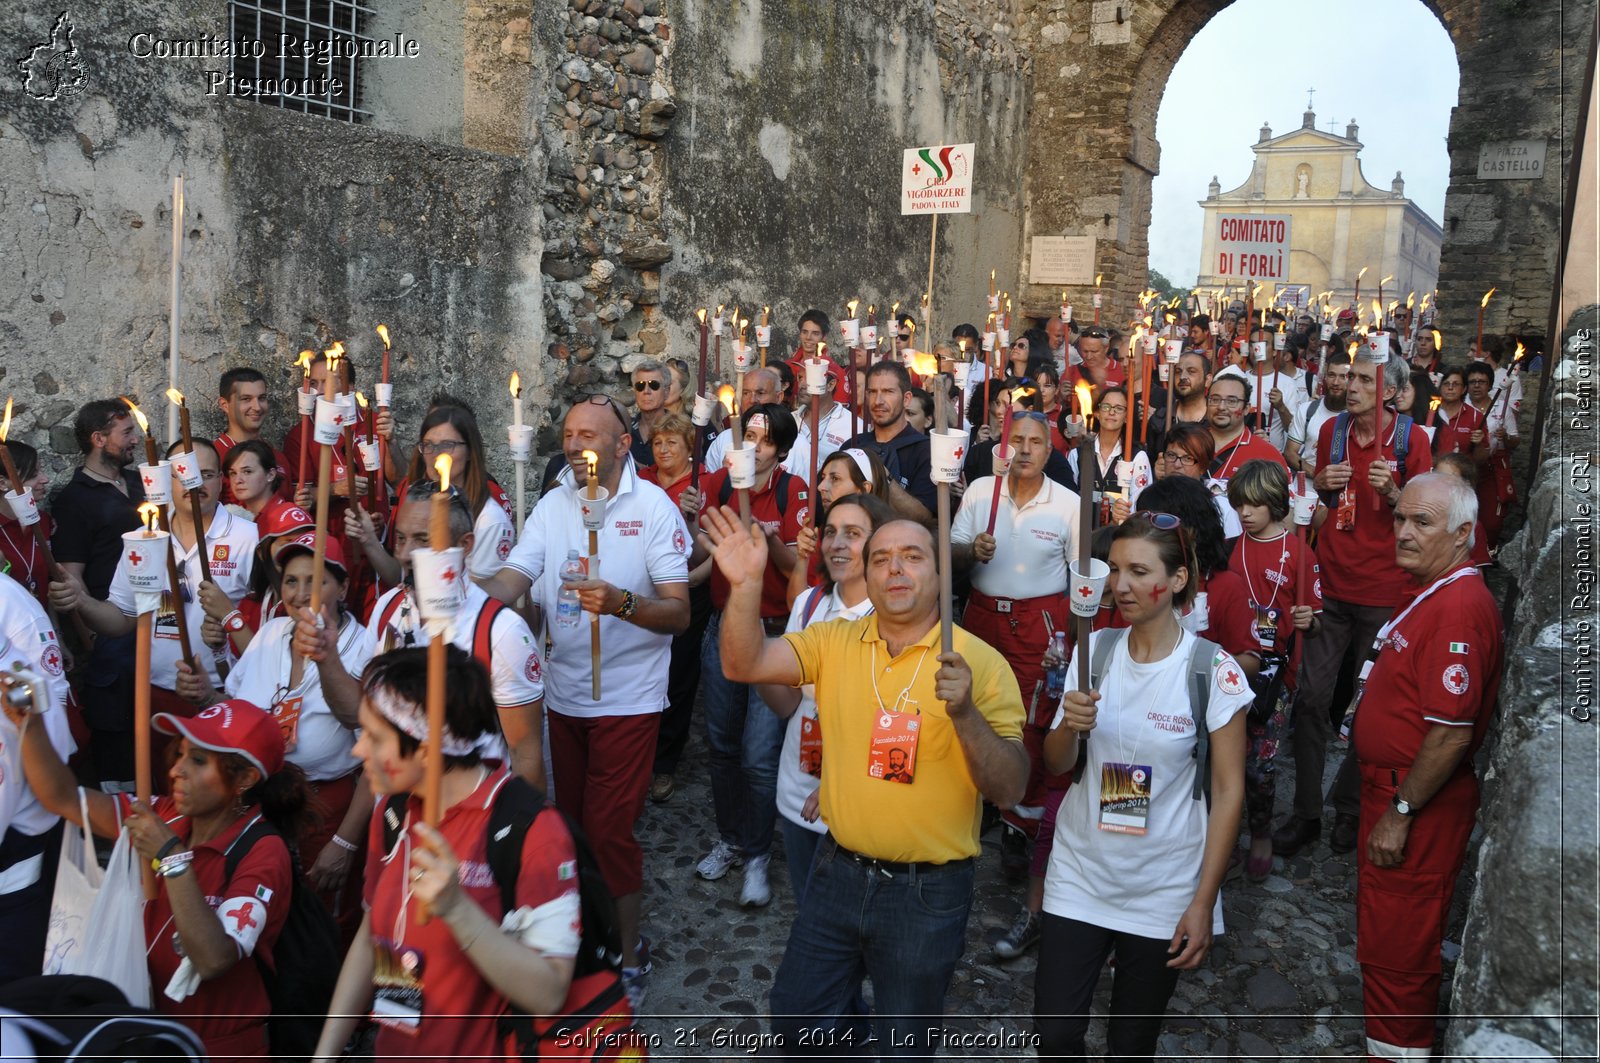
x,y
1164,521
444,446
1182,461
209,475
607,400
905,337
1108,408
1225,403
647,385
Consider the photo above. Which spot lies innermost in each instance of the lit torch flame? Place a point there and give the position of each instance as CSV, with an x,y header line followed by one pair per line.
x,y
1433,403
1097,279
1486,295
1377,314
516,382
1085,395
1514,358
5,426
175,396
851,306
1386,280
1438,340
361,400
725,396
1363,272
592,461
148,512
138,415
925,364
441,465
1411,300
701,314
383,334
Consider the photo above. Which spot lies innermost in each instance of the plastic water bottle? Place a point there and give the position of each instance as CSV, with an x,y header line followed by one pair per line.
x,y
568,611
1055,680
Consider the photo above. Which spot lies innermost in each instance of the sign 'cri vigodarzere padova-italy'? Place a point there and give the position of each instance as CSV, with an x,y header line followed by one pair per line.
x,y
937,180
1253,246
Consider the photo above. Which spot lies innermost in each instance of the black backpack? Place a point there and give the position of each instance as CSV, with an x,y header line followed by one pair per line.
x,y
308,948
76,1017
516,806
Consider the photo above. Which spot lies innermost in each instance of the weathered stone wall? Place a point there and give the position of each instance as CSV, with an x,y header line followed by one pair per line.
x,y
1528,953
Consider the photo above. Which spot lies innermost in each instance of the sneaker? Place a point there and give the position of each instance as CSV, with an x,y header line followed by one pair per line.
x,y
718,862
1022,936
635,982
756,892
662,787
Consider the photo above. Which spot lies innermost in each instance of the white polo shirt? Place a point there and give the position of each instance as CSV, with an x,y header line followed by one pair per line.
x,y
1032,547
493,535
322,745
1308,424
26,636
644,541
231,548
1294,397
835,429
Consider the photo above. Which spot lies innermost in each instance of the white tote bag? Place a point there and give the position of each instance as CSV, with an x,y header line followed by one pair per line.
x,y
116,926
77,884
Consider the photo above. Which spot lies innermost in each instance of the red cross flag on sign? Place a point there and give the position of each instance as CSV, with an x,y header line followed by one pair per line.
x,y
937,180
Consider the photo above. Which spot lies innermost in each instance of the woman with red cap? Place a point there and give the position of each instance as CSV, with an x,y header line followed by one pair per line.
x,y
316,736
203,928
237,622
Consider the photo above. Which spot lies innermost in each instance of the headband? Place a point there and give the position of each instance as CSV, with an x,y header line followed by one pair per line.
x,y
864,464
412,720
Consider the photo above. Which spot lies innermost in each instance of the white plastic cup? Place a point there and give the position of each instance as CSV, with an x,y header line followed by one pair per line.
x,y
1001,458
1327,331
385,393
742,467
1216,328
1125,476
368,450
441,584
1097,301
850,332
1066,313
1162,370
817,376
1198,618
1174,351
1003,337
947,448
716,325
1378,346
329,423
742,361
1258,351
763,335
1086,588
1151,342
703,405
157,480
1305,507
988,342
1280,340
869,337
593,510
306,401
187,469
518,436
24,507
347,403
994,304
144,558
962,371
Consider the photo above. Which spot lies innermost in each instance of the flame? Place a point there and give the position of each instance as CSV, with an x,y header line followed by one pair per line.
x,y
766,311
361,400
383,334
1515,358
592,460
894,311
441,465
5,426
334,353
822,348
1085,395
175,396
989,325
720,307
1424,307
1377,313
1008,304
1411,300
924,364
701,314
138,414
962,343
1486,295
1438,340
1433,403
1063,297
1097,278
1363,273
1354,347
851,306
516,381
148,512
1386,280
991,281
303,363
725,396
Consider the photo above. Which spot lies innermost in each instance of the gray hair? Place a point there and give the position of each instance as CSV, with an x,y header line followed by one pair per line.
x,y
650,365
1461,501
1395,371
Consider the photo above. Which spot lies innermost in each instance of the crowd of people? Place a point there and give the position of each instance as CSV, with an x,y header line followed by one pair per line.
x,y
1296,531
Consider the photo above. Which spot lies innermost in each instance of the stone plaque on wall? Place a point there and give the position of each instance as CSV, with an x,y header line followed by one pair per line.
x,y
1511,160
1062,260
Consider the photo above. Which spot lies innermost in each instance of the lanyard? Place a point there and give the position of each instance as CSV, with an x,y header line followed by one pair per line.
x,y
1283,561
1383,632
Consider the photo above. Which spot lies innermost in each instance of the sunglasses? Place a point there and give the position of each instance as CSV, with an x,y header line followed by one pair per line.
x,y
607,400
647,385
1095,334
1164,521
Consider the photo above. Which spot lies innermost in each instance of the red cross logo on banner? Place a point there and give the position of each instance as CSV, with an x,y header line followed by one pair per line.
x,y
242,918
134,558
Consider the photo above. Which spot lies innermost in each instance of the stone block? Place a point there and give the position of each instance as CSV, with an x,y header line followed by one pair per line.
x,y
645,252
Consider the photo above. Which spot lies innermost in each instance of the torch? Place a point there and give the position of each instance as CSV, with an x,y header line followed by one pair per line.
x,y
1306,511
816,418
384,394
1477,350
741,362
593,497
23,506
1505,398
144,632
700,381
941,420
764,334
1097,278
438,537
328,418
375,469
307,400
196,510
716,329
521,439
1086,468
1357,300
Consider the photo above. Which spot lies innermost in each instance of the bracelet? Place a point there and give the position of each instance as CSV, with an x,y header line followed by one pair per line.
x,y
166,850
347,846
630,605
174,865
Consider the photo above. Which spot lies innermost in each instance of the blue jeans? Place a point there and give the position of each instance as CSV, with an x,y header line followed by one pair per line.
x,y
746,740
799,849
904,930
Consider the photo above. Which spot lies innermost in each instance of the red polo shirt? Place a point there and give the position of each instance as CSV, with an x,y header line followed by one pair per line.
x,y
675,490
460,1009
228,1012
1114,377
285,491
763,509
1247,447
1441,664
1358,564
1455,437
20,550
1270,569
1228,612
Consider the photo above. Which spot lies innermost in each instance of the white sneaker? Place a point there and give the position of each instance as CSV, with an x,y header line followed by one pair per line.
x,y
718,861
756,893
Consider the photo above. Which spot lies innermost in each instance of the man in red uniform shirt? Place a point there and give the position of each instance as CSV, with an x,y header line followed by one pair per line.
x,y
242,398
1236,444
1426,703
1361,586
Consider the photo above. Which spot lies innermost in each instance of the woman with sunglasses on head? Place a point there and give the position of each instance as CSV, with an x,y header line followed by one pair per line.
x,y
1110,416
208,934
1188,452
289,687
453,430
1139,854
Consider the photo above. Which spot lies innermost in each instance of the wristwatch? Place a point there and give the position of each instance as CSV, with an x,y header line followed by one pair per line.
x,y
234,621
1404,807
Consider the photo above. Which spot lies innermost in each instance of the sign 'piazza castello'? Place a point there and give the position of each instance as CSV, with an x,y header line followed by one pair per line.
x,y
1341,224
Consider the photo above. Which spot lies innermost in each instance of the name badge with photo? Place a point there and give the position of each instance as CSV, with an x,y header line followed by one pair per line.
x,y
1125,798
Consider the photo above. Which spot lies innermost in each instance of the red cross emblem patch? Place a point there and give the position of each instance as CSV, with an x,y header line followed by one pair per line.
x,y
50,659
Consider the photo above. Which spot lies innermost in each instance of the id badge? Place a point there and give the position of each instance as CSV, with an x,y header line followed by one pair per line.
x,y
1349,720
166,620
1266,627
397,986
287,713
893,755
1125,798
811,746
1345,516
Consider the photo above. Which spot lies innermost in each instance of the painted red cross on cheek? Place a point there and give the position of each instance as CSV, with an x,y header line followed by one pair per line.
x,y
1157,591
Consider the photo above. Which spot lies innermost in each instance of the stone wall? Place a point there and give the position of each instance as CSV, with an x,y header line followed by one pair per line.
x,y
1529,950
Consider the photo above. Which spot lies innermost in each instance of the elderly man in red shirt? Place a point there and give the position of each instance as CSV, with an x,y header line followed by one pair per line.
x,y
1427,699
1363,461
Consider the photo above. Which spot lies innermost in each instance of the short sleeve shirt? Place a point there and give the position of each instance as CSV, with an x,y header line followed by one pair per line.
x,y
907,458
26,635
1270,569
1358,564
90,517
1033,546
784,522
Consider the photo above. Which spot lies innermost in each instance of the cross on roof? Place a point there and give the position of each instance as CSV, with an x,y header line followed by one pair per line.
x,y
1310,96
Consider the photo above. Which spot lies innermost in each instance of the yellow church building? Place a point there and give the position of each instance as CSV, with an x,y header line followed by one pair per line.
x,y
1341,223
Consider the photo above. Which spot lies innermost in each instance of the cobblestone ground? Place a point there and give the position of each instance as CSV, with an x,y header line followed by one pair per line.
x,y
1281,983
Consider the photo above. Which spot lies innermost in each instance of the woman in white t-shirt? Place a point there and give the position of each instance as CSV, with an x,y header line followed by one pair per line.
x,y
842,594
1138,860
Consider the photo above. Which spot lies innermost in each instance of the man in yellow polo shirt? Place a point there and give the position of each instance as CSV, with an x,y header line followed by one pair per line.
x,y
911,740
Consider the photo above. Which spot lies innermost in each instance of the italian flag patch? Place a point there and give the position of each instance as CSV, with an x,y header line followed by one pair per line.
x,y
264,894
1458,647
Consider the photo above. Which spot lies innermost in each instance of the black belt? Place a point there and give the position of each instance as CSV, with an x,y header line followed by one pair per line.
x,y
888,867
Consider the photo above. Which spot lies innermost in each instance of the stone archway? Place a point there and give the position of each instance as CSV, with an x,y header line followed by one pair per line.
x,y
1093,152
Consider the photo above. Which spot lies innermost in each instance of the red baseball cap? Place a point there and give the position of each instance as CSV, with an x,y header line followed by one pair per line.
x,y
333,553
233,726
282,518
